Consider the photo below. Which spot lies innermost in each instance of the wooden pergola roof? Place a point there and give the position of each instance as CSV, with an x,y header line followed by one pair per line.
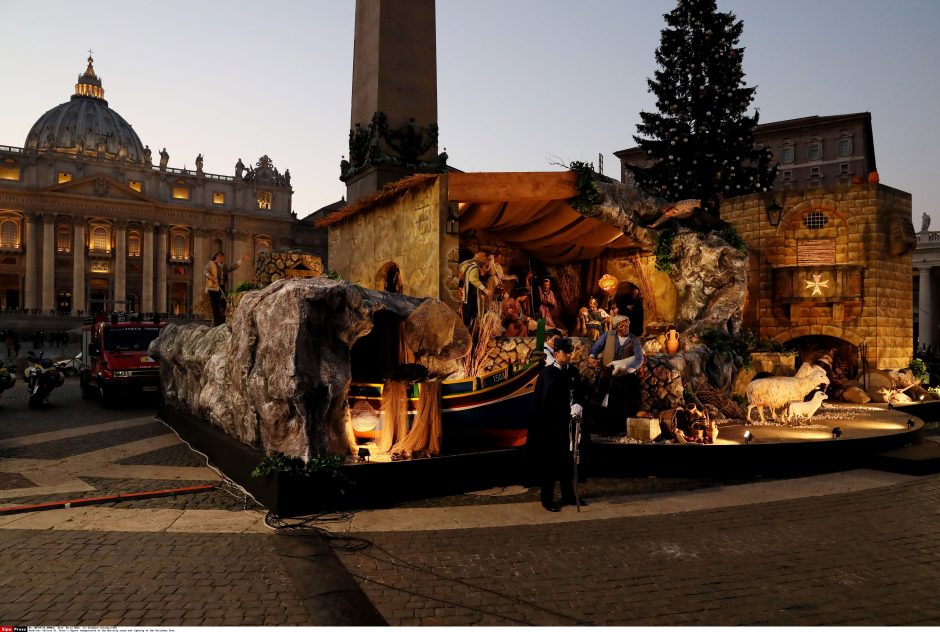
x,y
528,210
531,211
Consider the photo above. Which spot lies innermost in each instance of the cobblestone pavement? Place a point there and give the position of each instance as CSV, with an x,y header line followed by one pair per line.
x,y
851,559
189,559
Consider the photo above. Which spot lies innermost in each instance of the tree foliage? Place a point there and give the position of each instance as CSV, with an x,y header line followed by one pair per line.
x,y
701,139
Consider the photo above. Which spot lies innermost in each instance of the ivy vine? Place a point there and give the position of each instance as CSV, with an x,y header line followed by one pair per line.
x,y
324,467
664,257
588,197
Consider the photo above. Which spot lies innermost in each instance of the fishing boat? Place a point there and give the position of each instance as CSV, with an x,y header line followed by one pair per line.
x,y
487,412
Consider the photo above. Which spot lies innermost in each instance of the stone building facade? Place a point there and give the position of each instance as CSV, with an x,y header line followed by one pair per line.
x,y
833,271
89,224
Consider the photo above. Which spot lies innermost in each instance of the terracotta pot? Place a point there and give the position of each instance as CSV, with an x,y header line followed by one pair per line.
x,y
672,341
873,178
858,180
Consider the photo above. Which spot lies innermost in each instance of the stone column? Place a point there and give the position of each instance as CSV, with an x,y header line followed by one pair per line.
x,y
200,256
120,266
161,270
31,234
78,266
146,294
926,321
48,263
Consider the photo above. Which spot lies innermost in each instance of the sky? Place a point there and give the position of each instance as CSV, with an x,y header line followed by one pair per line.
x,y
522,84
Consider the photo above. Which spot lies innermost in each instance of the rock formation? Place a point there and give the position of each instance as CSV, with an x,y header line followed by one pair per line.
x,y
710,277
276,376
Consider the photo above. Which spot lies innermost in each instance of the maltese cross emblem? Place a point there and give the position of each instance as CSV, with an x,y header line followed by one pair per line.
x,y
817,284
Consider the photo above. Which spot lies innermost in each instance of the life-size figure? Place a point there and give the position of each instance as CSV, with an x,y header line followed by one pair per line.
x,y
548,305
473,287
558,398
617,355
214,272
631,305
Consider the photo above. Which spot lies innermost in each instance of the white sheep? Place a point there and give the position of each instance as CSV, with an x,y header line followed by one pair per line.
x,y
776,392
804,409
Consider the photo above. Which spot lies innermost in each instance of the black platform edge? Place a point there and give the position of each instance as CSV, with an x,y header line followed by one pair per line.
x,y
929,412
370,484
919,460
384,484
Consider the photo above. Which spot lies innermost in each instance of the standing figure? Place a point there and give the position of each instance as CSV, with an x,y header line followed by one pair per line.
x,y
548,305
548,442
473,294
199,164
164,159
631,305
215,271
618,386
148,159
239,169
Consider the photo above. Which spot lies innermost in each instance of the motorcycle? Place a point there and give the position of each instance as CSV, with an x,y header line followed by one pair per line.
x,y
42,376
70,367
7,377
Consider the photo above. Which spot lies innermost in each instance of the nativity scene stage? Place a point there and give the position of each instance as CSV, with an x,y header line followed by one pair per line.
x,y
413,374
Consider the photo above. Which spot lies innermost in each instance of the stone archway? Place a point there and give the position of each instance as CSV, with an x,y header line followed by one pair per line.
x,y
838,353
389,278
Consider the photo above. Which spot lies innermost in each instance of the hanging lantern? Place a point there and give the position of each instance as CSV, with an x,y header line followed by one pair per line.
x,y
608,283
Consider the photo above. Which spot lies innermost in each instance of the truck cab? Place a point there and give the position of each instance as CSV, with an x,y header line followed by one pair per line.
x,y
116,359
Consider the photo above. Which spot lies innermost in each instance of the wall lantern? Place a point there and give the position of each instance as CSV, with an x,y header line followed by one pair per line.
x,y
774,211
452,225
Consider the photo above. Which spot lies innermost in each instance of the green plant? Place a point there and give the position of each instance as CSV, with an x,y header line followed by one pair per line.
x,y
664,258
325,467
588,197
919,368
246,286
733,239
333,275
740,344
935,390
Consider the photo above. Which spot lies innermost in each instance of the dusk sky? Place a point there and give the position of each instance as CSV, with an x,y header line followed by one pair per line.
x,y
521,83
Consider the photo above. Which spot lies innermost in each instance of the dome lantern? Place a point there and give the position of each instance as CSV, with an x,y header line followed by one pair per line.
x,y
89,84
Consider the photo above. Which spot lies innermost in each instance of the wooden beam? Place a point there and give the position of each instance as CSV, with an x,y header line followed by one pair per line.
x,y
511,186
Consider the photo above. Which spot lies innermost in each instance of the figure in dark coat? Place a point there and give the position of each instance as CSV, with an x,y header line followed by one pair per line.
x,y
557,399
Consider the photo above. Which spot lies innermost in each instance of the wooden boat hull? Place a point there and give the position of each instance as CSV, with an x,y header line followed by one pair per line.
x,y
489,412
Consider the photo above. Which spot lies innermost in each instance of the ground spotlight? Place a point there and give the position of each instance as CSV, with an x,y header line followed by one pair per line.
x,y
836,432
748,437
921,398
364,454
910,424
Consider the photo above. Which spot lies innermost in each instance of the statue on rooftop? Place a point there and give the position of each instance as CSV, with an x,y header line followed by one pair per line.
x,y
239,169
164,159
148,159
199,164
924,223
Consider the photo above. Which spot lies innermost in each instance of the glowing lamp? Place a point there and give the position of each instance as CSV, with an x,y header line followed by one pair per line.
x,y
608,283
748,437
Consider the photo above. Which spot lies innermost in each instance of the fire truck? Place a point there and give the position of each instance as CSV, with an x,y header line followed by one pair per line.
x,y
116,359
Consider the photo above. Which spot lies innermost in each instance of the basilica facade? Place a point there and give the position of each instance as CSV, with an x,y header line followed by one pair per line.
x,y
89,224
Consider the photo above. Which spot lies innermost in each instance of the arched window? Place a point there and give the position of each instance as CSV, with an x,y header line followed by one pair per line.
x,y
262,245
100,239
9,234
179,247
63,239
133,244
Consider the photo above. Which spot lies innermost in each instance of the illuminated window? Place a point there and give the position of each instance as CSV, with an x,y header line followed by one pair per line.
x,y
218,198
133,244
9,173
136,185
815,220
64,176
9,234
63,239
179,247
264,200
180,193
100,239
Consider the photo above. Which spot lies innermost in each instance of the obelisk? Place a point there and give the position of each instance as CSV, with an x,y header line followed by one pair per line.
x,y
393,127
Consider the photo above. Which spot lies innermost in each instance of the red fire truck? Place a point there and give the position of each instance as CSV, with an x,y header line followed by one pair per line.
x,y
115,357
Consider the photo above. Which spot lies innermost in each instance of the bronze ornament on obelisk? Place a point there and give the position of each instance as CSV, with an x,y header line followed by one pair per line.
x,y
393,127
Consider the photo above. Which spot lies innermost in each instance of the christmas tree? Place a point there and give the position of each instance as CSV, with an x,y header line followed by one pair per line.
x,y
701,140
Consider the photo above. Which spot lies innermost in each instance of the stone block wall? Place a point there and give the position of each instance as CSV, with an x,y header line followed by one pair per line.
x,y
862,225
406,232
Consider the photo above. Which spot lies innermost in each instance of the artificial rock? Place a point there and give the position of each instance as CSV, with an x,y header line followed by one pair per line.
x,y
276,375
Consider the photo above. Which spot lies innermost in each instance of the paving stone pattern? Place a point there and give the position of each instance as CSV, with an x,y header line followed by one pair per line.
x,y
853,559
176,456
143,579
64,448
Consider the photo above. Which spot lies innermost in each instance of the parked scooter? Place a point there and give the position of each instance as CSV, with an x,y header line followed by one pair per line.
x,y
42,376
7,377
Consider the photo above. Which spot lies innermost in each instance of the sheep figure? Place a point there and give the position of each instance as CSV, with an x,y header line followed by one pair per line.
x,y
805,409
777,392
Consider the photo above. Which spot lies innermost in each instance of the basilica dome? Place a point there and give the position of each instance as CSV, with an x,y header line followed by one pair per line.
x,y
86,124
